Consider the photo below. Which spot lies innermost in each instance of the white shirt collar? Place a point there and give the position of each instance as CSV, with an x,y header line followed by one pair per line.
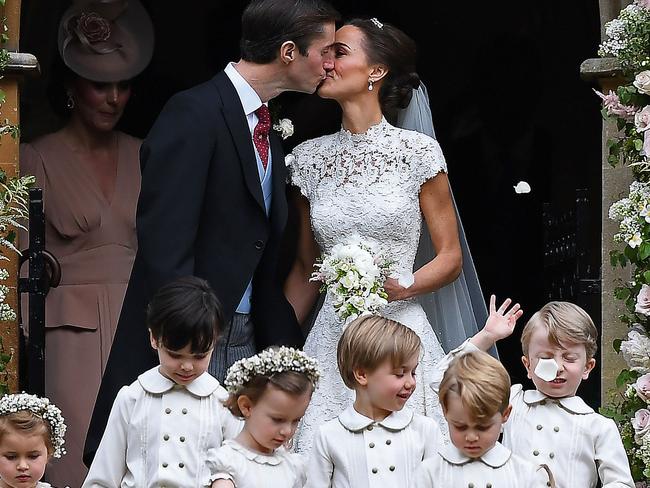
x,y
154,382
273,459
354,421
250,100
573,404
495,457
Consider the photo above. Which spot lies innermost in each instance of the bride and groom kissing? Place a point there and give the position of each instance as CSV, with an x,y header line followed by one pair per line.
x,y
213,201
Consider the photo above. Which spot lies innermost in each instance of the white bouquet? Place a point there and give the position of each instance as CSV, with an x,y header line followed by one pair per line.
x,y
354,272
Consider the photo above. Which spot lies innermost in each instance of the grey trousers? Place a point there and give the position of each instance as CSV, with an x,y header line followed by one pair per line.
x,y
236,342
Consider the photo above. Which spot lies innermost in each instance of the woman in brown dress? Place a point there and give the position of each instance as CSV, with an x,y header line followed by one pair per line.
x,y
90,176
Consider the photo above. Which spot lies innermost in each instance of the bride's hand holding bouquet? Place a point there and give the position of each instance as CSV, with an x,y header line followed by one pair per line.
x,y
354,272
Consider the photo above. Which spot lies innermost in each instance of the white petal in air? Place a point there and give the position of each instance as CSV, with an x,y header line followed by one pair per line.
x,y
546,369
522,187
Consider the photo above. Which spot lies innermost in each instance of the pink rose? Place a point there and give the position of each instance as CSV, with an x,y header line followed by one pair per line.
x,y
642,82
613,105
642,387
642,119
641,424
93,27
646,143
643,298
643,3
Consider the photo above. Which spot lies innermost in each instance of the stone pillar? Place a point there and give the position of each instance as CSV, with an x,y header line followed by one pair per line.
x,y
9,164
605,74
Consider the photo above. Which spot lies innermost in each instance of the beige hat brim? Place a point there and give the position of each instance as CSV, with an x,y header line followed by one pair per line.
x,y
132,31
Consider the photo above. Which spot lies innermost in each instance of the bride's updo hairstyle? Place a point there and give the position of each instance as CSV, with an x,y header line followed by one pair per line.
x,y
387,45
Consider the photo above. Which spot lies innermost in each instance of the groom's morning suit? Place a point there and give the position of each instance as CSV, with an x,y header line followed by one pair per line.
x,y
202,211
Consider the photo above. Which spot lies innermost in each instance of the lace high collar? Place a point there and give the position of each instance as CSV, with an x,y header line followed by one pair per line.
x,y
373,130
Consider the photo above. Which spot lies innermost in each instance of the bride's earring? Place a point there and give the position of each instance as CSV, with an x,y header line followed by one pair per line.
x,y
70,103
370,87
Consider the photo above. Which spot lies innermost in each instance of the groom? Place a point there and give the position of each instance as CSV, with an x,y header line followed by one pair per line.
x,y
212,202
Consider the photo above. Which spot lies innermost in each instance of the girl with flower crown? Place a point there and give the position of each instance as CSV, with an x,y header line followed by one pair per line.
x,y
271,391
31,433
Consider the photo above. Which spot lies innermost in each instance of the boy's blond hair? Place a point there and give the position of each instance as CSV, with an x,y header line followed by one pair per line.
x,y
370,340
481,382
564,322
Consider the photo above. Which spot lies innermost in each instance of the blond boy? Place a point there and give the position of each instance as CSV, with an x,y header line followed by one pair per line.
x,y
374,442
474,395
550,424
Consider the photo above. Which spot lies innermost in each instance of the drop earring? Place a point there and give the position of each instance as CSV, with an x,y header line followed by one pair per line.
x,y
370,87
70,103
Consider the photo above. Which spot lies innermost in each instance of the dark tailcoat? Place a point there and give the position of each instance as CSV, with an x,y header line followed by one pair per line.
x,y
201,212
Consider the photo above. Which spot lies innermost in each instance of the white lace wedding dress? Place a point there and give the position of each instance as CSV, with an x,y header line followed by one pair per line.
x,y
366,184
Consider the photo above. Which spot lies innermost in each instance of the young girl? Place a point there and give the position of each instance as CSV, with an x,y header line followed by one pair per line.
x,y
271,390
474,395
32,431
374,442
164,427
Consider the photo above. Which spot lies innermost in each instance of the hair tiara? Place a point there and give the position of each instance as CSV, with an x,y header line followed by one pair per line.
x,y
376,22
271,361
42,408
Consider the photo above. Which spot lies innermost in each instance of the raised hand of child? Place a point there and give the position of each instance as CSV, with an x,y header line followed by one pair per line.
x,y
499,325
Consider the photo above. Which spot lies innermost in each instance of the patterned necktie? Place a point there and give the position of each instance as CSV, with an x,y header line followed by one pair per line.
x,y
261,133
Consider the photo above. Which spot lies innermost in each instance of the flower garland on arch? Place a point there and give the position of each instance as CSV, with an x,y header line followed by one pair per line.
x,y
628,40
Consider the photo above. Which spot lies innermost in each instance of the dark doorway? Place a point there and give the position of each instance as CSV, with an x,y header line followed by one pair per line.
x,y
506,96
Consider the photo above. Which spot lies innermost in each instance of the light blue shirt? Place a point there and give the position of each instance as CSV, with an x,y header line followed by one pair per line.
x,y
251,101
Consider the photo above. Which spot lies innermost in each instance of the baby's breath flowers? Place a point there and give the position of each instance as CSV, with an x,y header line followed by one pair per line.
x,y
41,407
271,361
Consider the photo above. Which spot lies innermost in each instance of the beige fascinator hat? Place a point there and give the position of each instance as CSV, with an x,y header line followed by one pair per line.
x,y
106,40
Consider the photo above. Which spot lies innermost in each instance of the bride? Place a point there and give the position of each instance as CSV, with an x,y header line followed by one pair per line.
x,y
378,181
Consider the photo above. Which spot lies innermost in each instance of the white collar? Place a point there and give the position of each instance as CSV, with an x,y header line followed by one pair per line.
x,y
495,457
273,459
573,404
249,98
354,421
154,382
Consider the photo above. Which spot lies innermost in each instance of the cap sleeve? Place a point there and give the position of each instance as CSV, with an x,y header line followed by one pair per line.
x,y
300,168
223,464
425,158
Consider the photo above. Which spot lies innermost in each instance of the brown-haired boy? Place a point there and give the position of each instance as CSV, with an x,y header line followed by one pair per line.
x,y
550,424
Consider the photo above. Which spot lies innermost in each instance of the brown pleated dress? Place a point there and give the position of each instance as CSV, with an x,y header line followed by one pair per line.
x,y
94,239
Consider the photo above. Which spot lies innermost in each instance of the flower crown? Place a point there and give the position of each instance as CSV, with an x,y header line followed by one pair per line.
x,y
42,408
271,361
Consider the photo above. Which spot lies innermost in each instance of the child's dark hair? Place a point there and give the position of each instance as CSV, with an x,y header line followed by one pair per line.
x,y
185,311
25,421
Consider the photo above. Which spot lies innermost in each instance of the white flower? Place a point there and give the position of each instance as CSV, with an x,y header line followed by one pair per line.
x,y
642,82
42,408
642,119
522,187
353,273
284,127
289,159
350,280
357,302
272,360
635,240
636,349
